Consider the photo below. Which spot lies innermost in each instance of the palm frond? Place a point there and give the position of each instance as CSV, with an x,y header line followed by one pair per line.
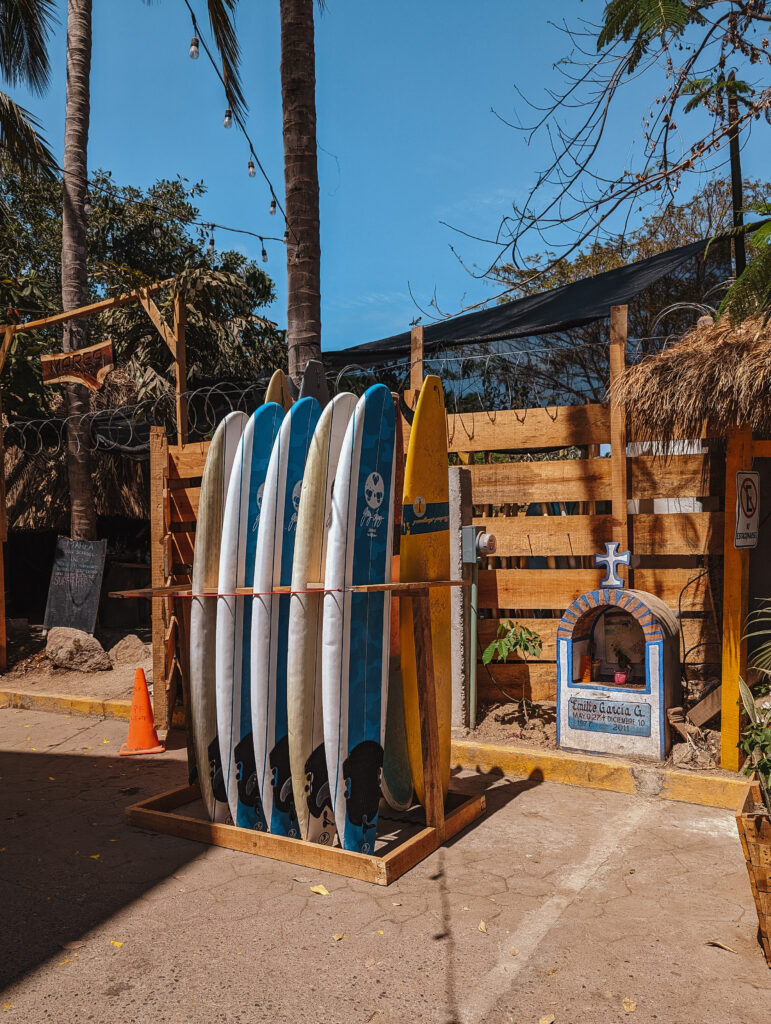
x,y
24,29
221,18
20,140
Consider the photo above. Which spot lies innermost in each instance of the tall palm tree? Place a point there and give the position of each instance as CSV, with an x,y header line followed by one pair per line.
x,y
24,28
74,260
301,181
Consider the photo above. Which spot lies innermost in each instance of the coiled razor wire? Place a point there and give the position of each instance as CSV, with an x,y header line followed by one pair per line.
x,y
125,429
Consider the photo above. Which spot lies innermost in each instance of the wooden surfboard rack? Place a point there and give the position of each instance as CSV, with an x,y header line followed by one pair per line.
x,y
400,848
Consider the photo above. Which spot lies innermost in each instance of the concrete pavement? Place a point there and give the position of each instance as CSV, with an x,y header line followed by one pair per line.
x,y
561,902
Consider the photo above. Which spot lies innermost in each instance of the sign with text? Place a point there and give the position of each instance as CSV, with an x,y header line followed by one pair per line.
x,y
87,366
747,509
620,716
76,584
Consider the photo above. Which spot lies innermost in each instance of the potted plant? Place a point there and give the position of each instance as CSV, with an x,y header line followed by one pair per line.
x,y
753,819
624,662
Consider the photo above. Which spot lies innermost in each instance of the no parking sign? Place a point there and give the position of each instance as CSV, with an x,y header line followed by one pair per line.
x,y
747,510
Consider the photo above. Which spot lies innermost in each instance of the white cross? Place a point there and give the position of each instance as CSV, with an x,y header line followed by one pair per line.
x,y
611,559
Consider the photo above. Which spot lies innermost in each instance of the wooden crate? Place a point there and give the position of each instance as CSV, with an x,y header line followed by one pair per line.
x,y
755,834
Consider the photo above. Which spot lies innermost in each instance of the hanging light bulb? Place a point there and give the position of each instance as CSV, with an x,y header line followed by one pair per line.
x,y
286,237
264,252
87,207
273,207
252,171
227,121
193,51
211,246
157,231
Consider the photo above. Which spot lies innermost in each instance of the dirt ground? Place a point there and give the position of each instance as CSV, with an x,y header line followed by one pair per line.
x,y
29,670
560,903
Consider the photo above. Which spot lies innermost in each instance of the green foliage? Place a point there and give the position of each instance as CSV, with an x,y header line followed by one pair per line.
x,y
705,90
750,294
513,637
135,236
642,22
755,741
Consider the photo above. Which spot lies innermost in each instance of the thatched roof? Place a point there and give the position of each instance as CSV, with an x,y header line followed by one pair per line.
x,y
717,378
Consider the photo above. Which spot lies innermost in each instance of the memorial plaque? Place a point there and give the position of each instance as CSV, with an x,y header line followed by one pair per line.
x,y
76,584
591,714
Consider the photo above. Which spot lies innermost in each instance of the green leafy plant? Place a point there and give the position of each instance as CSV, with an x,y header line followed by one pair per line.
x,y
755,741
513,637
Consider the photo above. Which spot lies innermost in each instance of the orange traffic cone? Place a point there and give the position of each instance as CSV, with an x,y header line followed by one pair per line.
x,y
142,737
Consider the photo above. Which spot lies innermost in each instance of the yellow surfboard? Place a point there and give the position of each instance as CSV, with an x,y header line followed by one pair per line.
x,y
278,391
425,555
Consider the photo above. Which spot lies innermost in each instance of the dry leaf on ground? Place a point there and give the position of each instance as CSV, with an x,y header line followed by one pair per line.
x,y
338,936
514,951
630,1005
720,945
547,1019
114,942
320,890
482,927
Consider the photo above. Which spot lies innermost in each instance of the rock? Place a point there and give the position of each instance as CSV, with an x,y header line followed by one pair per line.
x,y
684,755
72,648
131,651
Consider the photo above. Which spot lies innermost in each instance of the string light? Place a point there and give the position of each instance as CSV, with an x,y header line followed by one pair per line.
x,y
264,252
211,246
194,48
251,168
227,121
273,207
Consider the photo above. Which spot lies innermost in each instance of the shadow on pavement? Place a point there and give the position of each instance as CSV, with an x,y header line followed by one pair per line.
x,y
68,861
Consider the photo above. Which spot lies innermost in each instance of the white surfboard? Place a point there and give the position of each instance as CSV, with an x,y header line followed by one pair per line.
x,y
270,618
234,614
203,612
305,719
356,627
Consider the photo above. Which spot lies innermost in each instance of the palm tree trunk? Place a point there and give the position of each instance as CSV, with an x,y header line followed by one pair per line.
x,y
301,178
74,269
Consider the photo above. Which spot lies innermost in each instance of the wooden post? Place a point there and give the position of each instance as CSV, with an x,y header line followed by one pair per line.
x,y
180,365
736,578
433,800
159,455
416,367
3,539
618,460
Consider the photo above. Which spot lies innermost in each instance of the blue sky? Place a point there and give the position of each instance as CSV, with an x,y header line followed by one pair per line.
x,y
404,121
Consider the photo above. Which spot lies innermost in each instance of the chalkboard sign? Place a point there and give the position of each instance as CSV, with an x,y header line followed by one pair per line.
x,y
76,583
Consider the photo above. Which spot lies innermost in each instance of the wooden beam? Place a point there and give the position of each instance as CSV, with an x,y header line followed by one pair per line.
x,y
5,348
180,365
433,797
3,538
158,465
619,468
94,307
158,322
416,358
736,578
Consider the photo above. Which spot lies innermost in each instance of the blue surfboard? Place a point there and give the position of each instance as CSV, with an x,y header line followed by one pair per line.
x,y
270,618
356,630
234,615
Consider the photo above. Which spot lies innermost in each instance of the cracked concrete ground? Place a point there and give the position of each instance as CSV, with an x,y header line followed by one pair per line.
x,y
587,898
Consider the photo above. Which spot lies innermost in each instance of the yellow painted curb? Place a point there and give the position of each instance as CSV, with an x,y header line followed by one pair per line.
x,y
65,702
611,774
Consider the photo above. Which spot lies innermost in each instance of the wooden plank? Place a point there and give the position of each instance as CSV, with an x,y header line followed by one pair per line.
x,y
524,482
94,307
706,708
760,449
182,545
736,577
619,467
433,797
183,504
416,358
180,365
681,533
187,461
681,476
159,323
698,634
520,429
158,463
5,348
556,588
513,680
